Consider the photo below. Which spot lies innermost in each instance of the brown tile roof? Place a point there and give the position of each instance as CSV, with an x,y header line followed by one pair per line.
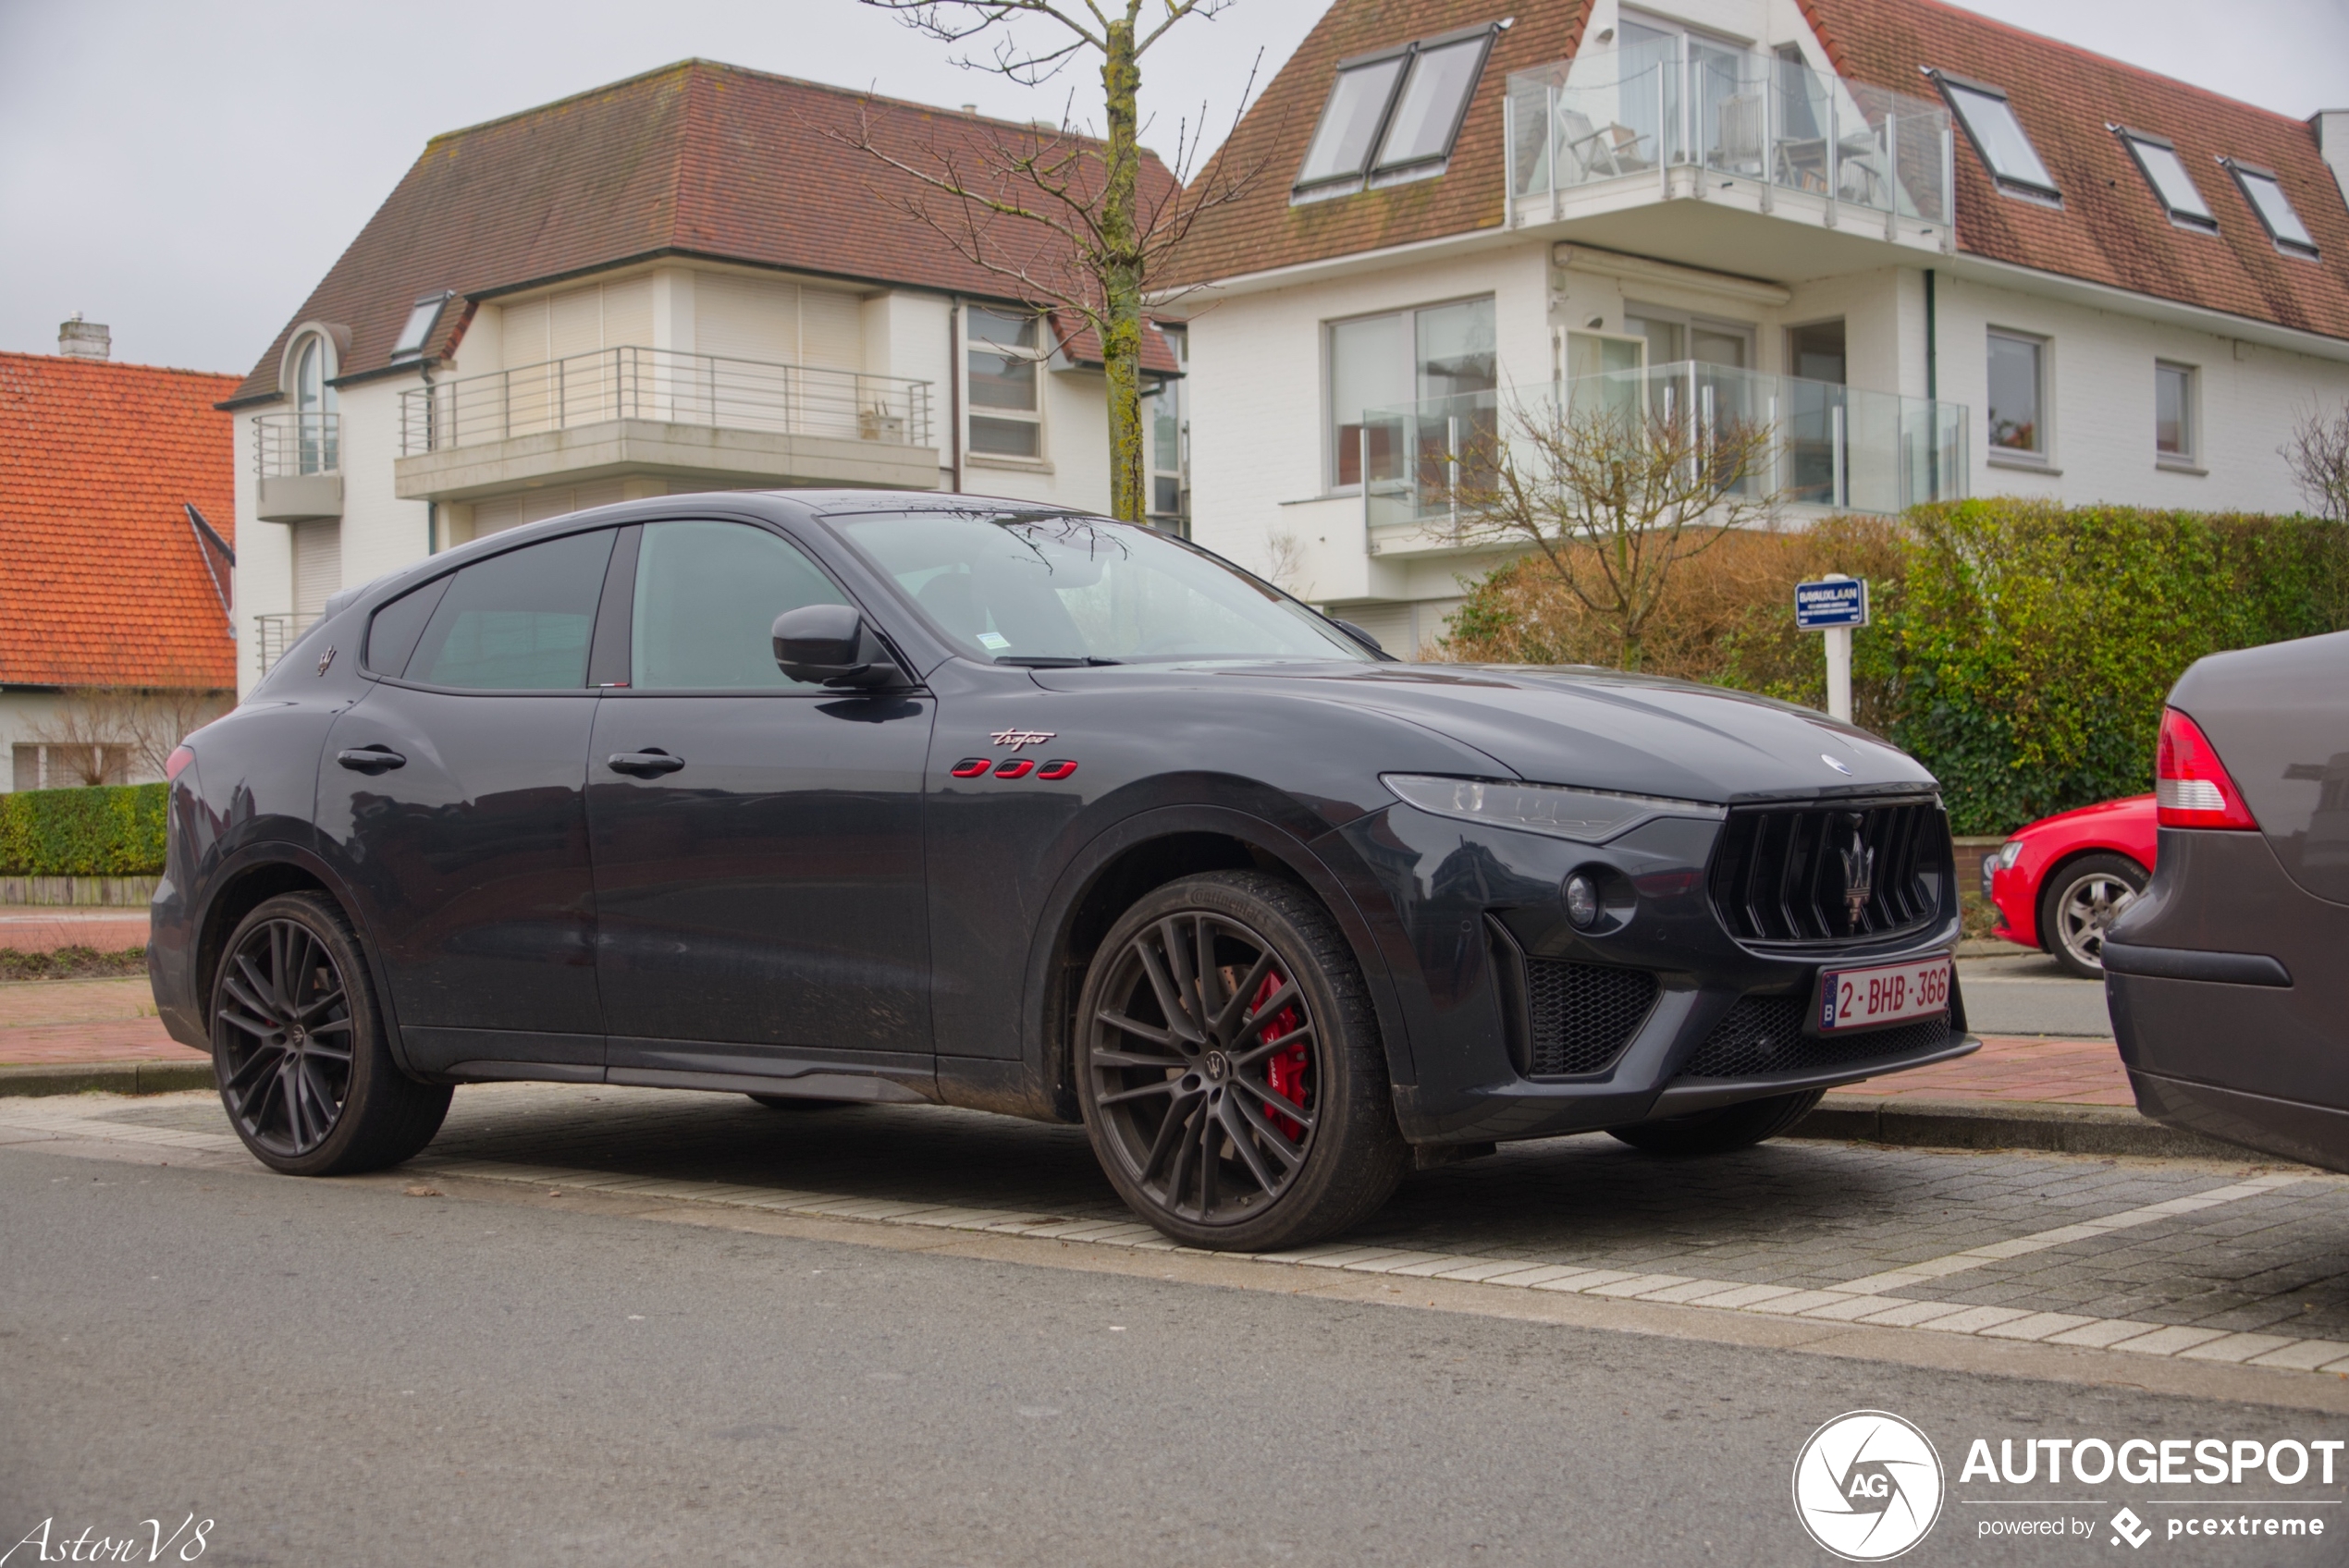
x,y
1080,344
103,581
696,158
2110,229
1260,230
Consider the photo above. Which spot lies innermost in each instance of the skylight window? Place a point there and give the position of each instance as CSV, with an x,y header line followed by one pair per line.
x,y
2265,192
418,332
2166,172
1394,117
1997,136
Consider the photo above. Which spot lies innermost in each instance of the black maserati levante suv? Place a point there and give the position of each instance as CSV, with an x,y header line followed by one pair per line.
x,y
858,796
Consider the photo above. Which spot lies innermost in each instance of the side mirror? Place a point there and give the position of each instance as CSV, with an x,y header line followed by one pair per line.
x,y
830,646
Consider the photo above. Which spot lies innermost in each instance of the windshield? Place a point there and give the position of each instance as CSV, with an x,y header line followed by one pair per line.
x,y
1019,588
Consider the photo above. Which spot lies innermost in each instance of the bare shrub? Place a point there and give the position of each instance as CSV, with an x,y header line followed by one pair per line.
x,y
2318,453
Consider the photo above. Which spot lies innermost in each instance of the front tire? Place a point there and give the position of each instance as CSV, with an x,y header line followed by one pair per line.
x,y
1720,1132
1230,1069
2080,902
300,1051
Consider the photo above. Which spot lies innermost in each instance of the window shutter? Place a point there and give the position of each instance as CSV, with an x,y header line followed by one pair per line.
x,y
317,564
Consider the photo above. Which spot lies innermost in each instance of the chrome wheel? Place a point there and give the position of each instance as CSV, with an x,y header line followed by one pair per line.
x,y
2089,899
282,1037
1204,1065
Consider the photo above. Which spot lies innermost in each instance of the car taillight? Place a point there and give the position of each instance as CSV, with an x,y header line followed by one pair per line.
x,y
177,763
2191,785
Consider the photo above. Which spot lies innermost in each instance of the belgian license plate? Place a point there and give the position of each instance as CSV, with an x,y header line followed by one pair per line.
x,y
1861,999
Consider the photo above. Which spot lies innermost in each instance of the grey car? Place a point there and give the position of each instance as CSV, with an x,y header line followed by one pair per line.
x,y
2228,991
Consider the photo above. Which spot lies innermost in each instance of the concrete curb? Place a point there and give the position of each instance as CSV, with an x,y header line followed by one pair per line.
x,y
109,1077
1918,1122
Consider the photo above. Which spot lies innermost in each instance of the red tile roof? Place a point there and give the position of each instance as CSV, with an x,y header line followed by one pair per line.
x,y
101,580
2110,230
696,159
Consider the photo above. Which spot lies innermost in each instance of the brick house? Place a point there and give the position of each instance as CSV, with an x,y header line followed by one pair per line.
x,y
1939,255
116,629
688,280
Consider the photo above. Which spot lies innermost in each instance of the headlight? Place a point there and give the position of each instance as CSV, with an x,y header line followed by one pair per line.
x,y
2009,853
1587,816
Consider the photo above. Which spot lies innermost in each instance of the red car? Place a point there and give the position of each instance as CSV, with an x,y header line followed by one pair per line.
x,y
2060,882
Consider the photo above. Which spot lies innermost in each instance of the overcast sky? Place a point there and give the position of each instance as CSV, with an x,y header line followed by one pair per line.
x,y
186,170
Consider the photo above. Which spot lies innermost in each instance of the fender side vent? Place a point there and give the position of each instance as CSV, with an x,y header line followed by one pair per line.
x,y
1760,1036
1581,1015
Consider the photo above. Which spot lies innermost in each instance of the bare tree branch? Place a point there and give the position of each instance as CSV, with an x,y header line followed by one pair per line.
x,y
2318,453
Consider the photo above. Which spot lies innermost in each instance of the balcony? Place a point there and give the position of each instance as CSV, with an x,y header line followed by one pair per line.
x,y
273,634
1617,134
1829,448
701,418
298,460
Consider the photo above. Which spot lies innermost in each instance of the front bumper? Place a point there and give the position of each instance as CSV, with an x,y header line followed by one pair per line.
x,y
1725,1024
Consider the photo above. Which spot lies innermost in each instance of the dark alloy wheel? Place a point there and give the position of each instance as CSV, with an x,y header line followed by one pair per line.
x,y
1229,1067
298,1048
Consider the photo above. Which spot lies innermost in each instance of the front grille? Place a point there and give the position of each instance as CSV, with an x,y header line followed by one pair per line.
x,y
1581,1015
1763,1035
1784,874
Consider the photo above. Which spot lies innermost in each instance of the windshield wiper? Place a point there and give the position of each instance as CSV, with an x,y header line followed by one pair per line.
x,y
1050,661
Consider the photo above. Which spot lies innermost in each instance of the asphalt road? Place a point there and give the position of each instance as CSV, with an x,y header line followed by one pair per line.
x,y
2029,993
342,1373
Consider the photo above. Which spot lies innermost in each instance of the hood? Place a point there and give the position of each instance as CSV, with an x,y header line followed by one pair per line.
x,y
2090,818
1605,730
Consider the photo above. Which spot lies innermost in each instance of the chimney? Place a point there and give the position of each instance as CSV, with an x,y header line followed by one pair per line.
x,y
2333,142
78,339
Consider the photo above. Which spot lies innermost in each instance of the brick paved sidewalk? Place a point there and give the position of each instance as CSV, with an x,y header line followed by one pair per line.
x,y
2010,1070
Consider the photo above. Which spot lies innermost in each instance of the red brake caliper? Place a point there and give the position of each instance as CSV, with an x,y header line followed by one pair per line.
x,y
1285,1069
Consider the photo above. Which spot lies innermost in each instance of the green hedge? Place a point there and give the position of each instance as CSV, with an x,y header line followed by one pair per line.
x,y
111,831
2033,644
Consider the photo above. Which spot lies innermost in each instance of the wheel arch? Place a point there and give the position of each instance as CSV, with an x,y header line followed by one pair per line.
x,y
2072,855
253,878
1147,851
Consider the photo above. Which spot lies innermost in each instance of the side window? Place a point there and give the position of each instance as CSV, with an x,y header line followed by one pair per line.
x,y
517,622
707,597
393,631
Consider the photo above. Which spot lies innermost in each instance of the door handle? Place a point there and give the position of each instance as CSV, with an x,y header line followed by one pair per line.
x,y
371,759
650,763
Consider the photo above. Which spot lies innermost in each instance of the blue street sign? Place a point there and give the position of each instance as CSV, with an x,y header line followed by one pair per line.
x,y
1834,601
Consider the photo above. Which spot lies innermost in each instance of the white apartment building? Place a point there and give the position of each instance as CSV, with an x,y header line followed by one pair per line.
x,y
1938,255
686,281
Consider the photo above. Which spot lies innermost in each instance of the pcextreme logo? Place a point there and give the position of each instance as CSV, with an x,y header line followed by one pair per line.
x,y
1867,1486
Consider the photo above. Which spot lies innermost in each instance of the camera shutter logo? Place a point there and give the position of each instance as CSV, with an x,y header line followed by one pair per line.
x,y
1868,1486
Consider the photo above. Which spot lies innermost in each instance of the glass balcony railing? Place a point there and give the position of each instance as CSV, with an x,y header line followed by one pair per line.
x,y
1821,444
1681,102
663,384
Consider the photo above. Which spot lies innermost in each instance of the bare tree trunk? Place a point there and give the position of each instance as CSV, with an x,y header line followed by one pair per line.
x,y
1122,272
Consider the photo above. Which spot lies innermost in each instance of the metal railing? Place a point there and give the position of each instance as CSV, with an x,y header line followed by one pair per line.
x,y
1679,102
660,383
1824,444
287,445
273,634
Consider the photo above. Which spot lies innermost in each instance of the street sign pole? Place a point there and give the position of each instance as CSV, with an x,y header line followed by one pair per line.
x,y
1833,606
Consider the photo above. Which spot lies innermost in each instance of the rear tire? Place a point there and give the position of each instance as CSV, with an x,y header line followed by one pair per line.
x,y
2078,902
1719,1132
300,1050
1230,1068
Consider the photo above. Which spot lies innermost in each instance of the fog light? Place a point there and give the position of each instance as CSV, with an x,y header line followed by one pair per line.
x,y
1582,902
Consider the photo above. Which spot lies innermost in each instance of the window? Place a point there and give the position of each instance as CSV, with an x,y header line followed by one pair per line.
x,y
2173,413
707,597
1381,362
317,435
1816,352
1997,136
418,331
1006,418
2265,192
1393,116
47,766
393,630
517,622
1164,410
1673,335
2172,187
2018,394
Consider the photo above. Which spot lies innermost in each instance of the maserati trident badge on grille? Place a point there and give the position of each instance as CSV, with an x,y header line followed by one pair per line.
x,y
1016,738
1859,876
